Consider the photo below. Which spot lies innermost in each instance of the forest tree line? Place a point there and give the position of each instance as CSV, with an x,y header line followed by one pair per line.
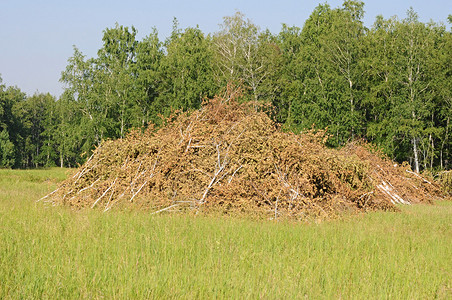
x,y
389,84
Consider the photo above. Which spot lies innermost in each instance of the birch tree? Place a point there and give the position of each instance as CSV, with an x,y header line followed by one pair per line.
x,y
242,55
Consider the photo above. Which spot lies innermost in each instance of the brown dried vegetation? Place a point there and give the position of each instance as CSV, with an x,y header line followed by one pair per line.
x,y
445,179
232,158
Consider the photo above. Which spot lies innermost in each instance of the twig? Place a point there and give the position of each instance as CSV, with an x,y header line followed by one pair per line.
x,y
364,195
95,202
48,195
88,187
276,204
188,146
132,185
201,201
109,200
138,170
65,195
163,209
125,163
89,159
138,190
385,188
221,166
86,170
425,180
232,176
150,176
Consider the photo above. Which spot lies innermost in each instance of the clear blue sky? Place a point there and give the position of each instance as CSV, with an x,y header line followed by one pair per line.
x,y
37,36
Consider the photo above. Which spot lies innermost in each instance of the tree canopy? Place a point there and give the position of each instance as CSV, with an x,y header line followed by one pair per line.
x,y
389,84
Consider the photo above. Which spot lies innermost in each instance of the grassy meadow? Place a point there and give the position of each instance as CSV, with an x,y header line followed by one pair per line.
x,y
52,252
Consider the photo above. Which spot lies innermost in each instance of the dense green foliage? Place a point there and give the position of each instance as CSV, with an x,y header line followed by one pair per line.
x,y
389,84
57,253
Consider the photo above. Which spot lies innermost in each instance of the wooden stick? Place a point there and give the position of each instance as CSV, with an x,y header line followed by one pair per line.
x,y
230,178
385,188
95,202
138,190
163,209
201,201
88,187
109,200
425,180
89,159
48,195
276,204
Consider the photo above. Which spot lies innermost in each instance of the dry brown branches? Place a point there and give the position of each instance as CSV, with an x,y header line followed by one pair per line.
x,y
232,157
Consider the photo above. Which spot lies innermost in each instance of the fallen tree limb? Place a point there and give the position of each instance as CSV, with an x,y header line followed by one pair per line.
x,y
163,209
98,199
48,195
425,180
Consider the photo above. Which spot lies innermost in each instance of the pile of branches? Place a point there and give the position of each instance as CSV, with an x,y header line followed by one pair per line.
x,y
230,157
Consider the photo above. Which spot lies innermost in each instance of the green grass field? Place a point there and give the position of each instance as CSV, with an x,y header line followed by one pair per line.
x,y
55,253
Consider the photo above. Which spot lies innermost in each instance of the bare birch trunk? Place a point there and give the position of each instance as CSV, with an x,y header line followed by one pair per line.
x,y
416,157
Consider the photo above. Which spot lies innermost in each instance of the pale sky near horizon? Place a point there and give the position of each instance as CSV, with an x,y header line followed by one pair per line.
x,y
37,37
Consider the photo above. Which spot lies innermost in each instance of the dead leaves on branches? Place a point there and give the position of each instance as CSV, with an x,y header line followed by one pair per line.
x,y
232,158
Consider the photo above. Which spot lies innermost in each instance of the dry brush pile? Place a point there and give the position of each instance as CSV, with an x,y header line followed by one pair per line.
x,y
232,158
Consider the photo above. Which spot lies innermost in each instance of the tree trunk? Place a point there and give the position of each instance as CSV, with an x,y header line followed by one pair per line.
x,y
416,157
432,156
444,142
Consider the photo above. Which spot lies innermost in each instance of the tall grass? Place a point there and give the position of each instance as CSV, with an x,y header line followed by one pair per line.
x,y
53,252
